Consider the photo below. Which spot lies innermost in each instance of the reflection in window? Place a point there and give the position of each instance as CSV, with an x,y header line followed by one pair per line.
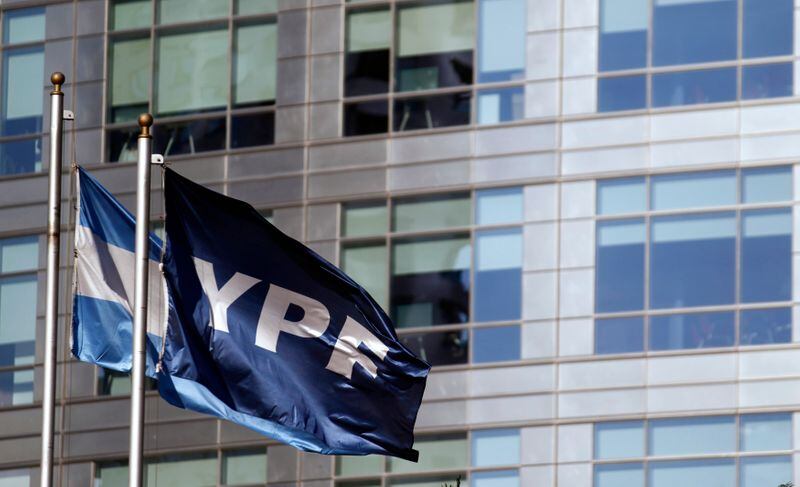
x,y
439,348
22,99
501,40
767,81
16,387
130,78
621,93
692,436
765,432
366,264
18,297
367,59
131,14
255,59
348,466
693,87
432,111
682,33
501,105
767,184
766,255
172,11
694,330
189,137
122,145
502,478
251,7
21,156
620,265
625,195
498,275
244,467
23,25
693,190
429,213
496,344
692,473
623,34
498,206
619,475
495,447
760,471
624,439
768,27
765,326
618,335
114,383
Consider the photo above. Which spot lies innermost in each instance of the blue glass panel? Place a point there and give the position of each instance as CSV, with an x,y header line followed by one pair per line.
x,y
21,156
497,206
767,81
623,34
621,93
693,87
692,473
765,432
693,260
766,184
765,326
619,475
501,105
694,330
498,275
505,478
693,190
692,436
619,439
616,196
620,265
765,471
766,255
694,31
497,344
768,26
619,335
501,40
495,447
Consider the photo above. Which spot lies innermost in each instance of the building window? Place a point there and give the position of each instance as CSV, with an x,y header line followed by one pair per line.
x,y
19,262
717,239
423,76
415,257
21,477
755,448
665,44
214,84
22,99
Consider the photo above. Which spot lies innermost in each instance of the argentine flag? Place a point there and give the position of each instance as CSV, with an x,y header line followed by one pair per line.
x,y
102,319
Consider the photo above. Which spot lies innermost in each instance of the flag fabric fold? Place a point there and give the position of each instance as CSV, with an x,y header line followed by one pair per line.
x,y
265,333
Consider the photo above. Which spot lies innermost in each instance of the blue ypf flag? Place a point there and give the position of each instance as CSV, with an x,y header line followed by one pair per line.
x,y
266,333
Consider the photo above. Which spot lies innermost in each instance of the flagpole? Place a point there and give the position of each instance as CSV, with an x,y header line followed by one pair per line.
x,y
145,146
53,248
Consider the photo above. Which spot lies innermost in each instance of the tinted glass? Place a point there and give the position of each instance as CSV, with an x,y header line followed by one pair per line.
x,y
765,326
367,117
122,145
692,473
16,388
498,206
251,130
444,348
131,14
619,440
13,478
695,330
767,28
767,81
619,335
367,265
435,453
19,254
428,481
189,137
495,447
364,219
432,111
762,185
359,466
130,78
692,87
693,190
22,100
766,251
170,11
765,471
498,275
693,260
683,32
496,344
617,196
623,34
244,467
501,105
17,319
23,25
621,93
691,436
251,7
182,469
255,64
21,156
622,475
620,265
765,432
504,478
501,40
418,214
367,58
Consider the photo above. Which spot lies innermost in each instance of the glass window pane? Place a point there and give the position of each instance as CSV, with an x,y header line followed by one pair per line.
x,y
252,130
23,25
19,254
434,45
441,348
619,440
622,475
366,264
765,432
616,196
255,61
694,190
17,319
131,14
418,214
495,447
693,260
192,71
360,483
501,105
763,185
122,145
690,436
693,87
498,206
16,387
619,335
113,383
171,11
496,344
695,330
620,265
435,481
765,471
692,473
767,81
188,137
682,33
252,7
504,478
367,60
349,466
768,27
432,111
621,93
367,117
765,326
364,219
244,467
430,281
22,100
443,452
130,78
111,474
766,255
193,469
15,478
501,40
498,275
21,156
623,34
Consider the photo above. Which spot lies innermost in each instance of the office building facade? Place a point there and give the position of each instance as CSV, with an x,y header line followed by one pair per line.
x,y
580,212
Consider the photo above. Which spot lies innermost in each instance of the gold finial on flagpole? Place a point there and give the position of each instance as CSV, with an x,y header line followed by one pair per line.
x,y
57,78
145,122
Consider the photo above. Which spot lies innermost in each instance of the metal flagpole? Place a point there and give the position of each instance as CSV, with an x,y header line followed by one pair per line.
x,y
53,248
145,146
